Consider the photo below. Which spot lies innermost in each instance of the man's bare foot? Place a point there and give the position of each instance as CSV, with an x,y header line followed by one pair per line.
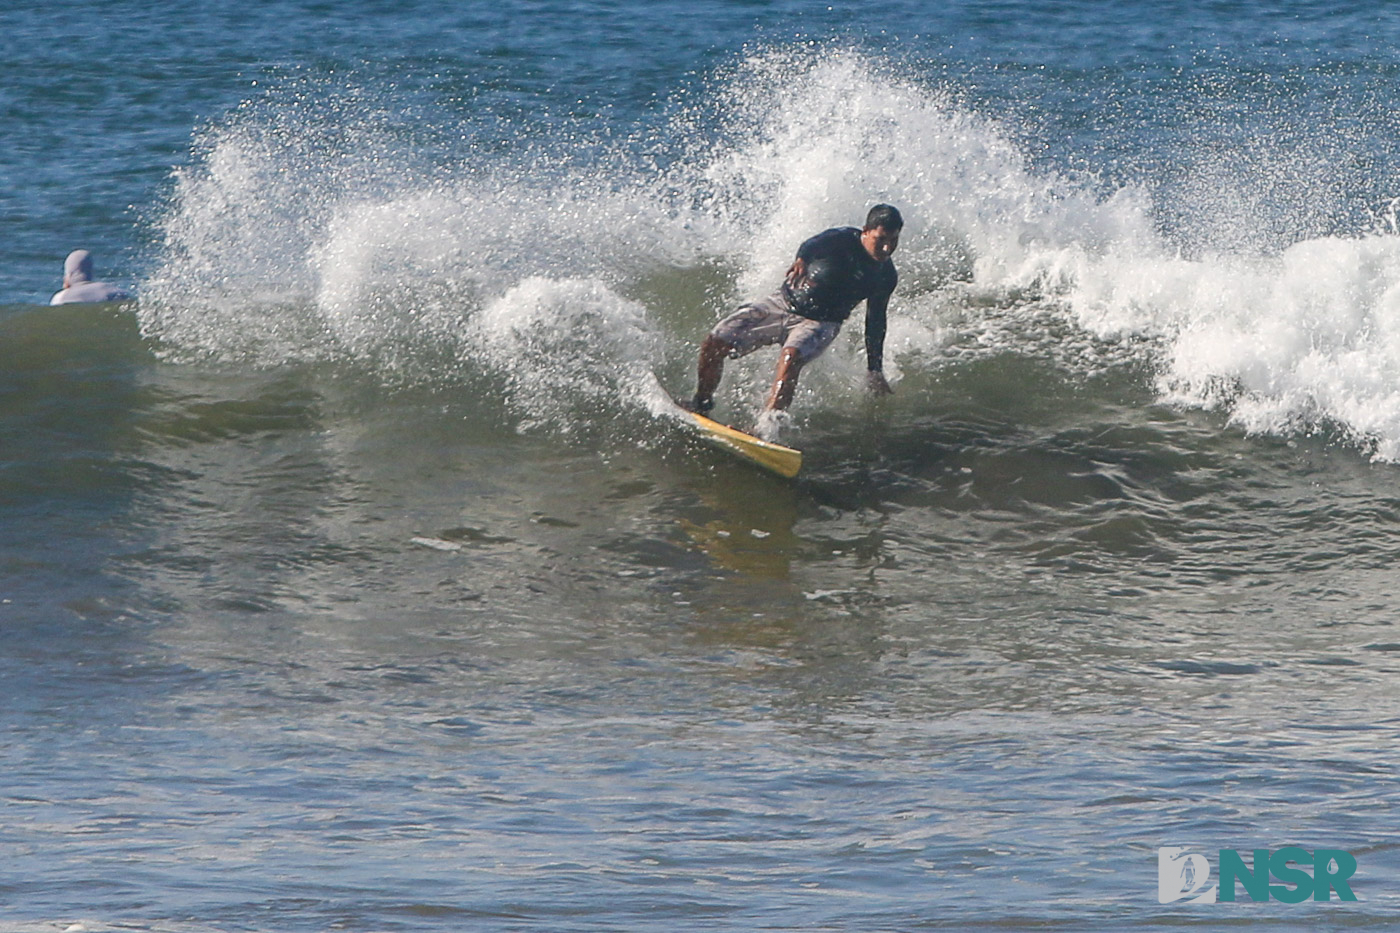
x,y
770,424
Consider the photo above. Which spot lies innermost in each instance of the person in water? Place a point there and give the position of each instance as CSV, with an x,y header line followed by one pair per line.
x,y
78,285
834,271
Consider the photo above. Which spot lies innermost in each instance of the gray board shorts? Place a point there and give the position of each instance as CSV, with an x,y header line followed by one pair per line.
x,y
771,320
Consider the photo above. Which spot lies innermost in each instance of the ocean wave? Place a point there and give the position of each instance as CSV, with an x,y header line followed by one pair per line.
x,y
309,228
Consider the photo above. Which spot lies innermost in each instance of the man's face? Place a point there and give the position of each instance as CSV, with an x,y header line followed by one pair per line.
x,y
879,242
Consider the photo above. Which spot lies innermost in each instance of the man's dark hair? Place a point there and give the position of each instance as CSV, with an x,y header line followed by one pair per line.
x,y
884,215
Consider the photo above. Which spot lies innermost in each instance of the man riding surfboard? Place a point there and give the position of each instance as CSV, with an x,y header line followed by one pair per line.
x,y
834,271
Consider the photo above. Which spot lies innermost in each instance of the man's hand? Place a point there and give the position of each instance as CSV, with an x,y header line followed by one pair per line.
x,y
796,273
875,382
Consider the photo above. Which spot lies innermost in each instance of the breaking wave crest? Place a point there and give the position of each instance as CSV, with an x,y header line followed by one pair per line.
x,y
567,264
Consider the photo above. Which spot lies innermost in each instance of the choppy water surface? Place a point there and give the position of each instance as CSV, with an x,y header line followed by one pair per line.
x,y
353,581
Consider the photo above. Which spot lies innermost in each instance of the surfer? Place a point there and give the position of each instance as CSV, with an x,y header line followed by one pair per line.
x,y
78,285
834,271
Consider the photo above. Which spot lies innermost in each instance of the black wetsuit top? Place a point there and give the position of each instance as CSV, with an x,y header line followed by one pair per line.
x,y
840,274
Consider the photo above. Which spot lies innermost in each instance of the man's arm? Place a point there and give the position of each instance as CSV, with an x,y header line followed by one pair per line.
x,y
812,248
875,307
796,273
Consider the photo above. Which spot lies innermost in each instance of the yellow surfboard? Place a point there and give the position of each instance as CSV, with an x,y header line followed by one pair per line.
x,y
785,461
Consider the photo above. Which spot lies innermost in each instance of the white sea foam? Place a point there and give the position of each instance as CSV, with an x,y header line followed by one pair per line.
x,y
1308,338
567,350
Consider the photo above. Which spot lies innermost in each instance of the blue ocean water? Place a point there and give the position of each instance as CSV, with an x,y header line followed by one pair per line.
x,y
354,578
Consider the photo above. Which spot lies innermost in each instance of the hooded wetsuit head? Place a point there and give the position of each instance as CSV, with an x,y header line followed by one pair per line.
x,y
77,268
78,285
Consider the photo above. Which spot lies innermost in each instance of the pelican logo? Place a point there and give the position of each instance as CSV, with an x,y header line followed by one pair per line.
x,y
1183,875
